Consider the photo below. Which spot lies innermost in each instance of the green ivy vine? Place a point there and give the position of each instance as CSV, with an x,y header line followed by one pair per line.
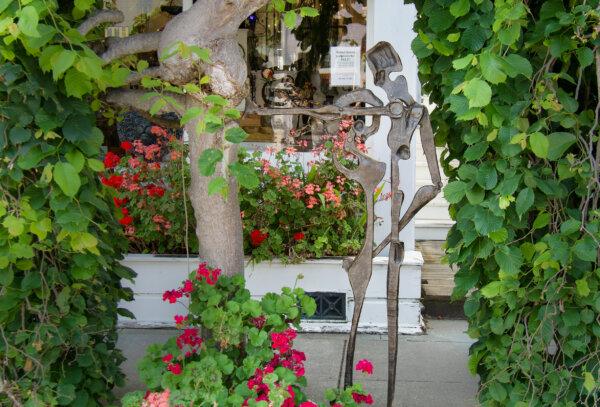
x,y
516,88
60,280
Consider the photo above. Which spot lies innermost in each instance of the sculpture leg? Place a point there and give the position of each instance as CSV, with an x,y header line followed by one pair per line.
x,y
349,370
393,286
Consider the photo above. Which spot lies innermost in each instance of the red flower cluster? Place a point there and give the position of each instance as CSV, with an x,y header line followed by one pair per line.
x,y
282,341
111,160
189,341
257,237
172,296
114,181
210,276
365,366
298,236
362,398
285,357
155,191
174,368
126,145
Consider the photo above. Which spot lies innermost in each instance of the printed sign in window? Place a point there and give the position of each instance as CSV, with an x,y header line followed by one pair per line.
x,y
345,66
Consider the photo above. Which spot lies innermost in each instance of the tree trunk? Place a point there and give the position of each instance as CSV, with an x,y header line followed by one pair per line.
x,y
218,220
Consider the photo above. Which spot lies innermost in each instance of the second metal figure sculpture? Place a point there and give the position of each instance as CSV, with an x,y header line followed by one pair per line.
x,y
406,115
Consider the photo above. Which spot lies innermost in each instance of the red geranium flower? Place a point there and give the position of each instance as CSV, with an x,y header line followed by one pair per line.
x,y
126,220
172,296
119,201
154,190
111,160
115,181
126,145
361,398
174,368
257,237
167,358
299,236
365,366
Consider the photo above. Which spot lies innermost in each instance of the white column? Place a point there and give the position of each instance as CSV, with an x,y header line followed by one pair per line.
x,y
186,4
392,21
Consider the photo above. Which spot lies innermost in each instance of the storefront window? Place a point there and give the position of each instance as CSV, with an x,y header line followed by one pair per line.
x,y
310,66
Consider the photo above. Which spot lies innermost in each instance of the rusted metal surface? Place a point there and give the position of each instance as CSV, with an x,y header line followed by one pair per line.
x,y
406,115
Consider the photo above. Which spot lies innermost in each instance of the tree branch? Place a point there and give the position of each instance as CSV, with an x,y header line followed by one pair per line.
x,y
154,72
137,100
119,47
100,17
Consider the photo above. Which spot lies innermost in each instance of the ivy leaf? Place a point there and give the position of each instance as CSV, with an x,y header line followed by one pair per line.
x,y
455,191
245,174
218,185
309,12
216,100
559,143
157,106
190,115
478,92
524,201
539,144
492,289
497,391
586,249
208,161
28,21
476,151
14,225
235,135
541,220
460,7
487,177
473,38
491,68
61,61
279,5
589,383
462,63
77,128
509,259
77,84
290,18
583,289
585,56
514,65
66,177
485,221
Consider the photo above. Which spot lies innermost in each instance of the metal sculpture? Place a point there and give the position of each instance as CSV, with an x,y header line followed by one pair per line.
x,y
405,115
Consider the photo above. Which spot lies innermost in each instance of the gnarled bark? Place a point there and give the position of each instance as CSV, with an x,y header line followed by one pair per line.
x,y
207,24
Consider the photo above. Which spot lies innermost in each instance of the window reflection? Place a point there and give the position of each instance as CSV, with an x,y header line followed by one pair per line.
x,y
309,66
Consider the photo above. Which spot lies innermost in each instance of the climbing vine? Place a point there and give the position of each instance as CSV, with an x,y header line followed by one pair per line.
x,y
60,280
516,88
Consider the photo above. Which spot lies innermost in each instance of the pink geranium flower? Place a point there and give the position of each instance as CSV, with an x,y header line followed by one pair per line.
x,y
365,366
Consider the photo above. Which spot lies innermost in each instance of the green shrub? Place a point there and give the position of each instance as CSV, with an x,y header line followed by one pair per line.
x,y
60,280
517,107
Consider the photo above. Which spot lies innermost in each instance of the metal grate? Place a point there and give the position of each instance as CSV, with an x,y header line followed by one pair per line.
x,y
330,306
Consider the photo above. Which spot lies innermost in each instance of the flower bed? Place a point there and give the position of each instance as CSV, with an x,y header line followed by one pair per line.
x,y
234,350
301,209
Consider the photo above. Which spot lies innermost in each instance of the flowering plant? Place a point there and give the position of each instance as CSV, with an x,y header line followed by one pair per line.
x,y
233,350
148,182
300,210
303,209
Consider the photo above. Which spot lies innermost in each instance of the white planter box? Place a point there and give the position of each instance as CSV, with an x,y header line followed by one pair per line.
x,y
157,274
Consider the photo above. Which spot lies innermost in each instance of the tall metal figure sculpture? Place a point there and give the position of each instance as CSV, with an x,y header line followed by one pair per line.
x,y
405,115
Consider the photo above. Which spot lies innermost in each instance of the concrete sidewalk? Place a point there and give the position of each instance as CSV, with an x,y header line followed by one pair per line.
x,y
432,368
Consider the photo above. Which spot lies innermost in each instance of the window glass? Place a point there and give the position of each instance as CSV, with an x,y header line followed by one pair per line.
x,y
309,66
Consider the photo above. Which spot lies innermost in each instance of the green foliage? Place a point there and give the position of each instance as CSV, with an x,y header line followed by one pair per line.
x,y
60,280
295,211
516,95
330,222
237,333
